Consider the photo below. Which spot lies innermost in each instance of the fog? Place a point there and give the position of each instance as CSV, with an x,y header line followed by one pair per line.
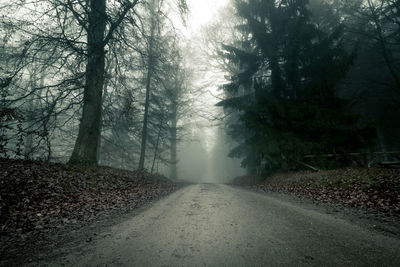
x,y
204,158
178,87
203,153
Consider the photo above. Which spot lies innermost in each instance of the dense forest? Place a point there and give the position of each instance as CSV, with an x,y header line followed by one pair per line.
x,y
113,82
309,78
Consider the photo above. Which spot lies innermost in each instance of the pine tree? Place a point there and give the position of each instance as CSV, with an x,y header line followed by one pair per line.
x,y
284,90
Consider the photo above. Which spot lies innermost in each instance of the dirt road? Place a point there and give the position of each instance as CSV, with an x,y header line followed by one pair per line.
x,y
218,225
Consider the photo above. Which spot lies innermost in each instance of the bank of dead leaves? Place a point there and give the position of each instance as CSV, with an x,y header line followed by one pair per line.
x,y
37,195
368,188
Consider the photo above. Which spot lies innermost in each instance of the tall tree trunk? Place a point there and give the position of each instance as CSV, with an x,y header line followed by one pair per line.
x,y
86,145
148,87
28,143
157,145
103,98
29,137
382,142
174,161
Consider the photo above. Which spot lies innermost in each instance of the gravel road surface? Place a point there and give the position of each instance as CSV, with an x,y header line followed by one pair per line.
x,y
220,225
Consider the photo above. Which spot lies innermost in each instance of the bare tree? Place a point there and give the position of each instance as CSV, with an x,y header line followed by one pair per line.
x,y
86,146
150,70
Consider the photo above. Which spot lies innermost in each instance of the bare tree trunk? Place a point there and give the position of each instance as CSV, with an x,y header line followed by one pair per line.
x,y
29,137
30,118
174,161
148,88
156,148
29,141
104,96
382,143
86,145
145,119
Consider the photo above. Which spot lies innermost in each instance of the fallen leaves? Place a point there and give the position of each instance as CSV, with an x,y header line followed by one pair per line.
x,y
373,188
37,195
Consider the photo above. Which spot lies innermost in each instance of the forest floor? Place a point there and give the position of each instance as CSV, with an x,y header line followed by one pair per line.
x,y
374,190
39,200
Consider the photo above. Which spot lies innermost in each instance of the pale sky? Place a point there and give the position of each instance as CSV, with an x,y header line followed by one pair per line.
x,y
202,11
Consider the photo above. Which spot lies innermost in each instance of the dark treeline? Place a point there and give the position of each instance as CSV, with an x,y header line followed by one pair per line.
x,y
312,77
92,82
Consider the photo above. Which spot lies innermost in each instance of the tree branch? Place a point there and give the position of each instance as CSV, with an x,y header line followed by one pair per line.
x,y
115,24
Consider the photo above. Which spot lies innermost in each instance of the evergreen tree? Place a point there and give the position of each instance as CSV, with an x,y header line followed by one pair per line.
x,y
285,87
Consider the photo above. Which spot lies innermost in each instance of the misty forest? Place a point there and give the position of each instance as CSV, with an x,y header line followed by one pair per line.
x,y
200,132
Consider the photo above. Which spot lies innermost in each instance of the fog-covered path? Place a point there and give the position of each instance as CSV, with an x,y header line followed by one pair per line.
x,y
218,225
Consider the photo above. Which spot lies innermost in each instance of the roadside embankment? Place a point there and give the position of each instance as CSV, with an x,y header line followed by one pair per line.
x,y
36,195
376,189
